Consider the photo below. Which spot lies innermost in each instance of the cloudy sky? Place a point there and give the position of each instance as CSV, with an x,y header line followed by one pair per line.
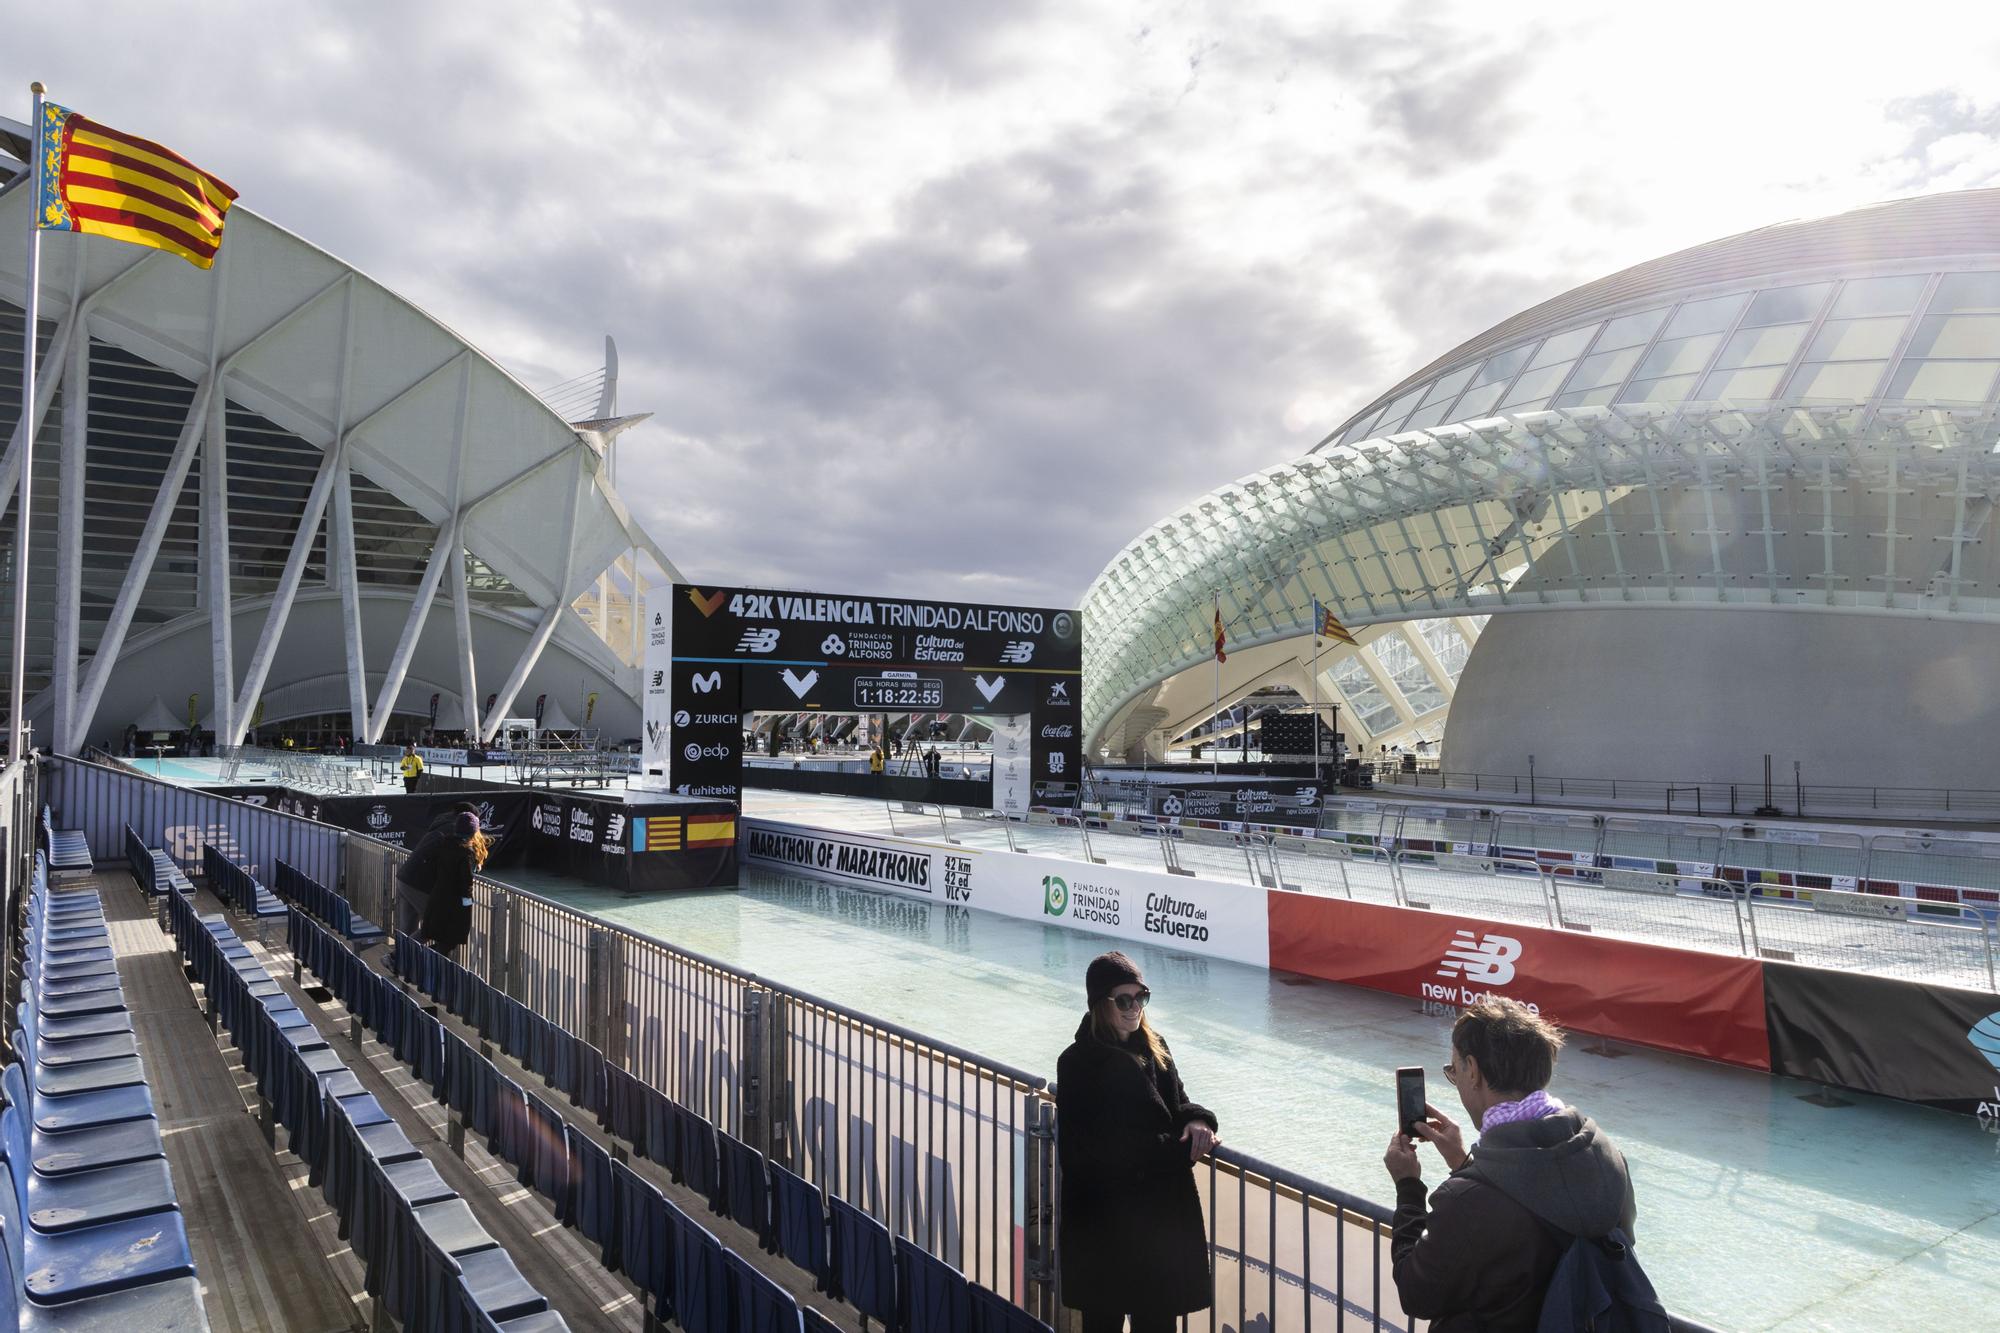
x,y
946,298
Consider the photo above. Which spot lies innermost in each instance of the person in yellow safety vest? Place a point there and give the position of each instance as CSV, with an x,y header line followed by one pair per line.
x,y
413,768
875,761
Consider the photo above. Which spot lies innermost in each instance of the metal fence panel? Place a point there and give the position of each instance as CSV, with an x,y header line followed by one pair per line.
x,y
1667,846
1891,936
1689,911
1485,886
1927,865
101,801
1807,858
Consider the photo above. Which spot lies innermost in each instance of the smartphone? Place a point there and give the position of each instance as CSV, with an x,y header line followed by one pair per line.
x,y
1410,1099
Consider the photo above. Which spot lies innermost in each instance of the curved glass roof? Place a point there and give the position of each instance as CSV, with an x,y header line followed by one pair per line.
x,y
1922,336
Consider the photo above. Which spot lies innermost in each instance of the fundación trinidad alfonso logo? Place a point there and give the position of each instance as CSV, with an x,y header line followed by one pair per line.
x,y
706,603
1485,959
1055,895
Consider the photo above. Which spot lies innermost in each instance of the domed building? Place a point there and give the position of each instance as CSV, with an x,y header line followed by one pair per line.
x,y
1730,503
277,492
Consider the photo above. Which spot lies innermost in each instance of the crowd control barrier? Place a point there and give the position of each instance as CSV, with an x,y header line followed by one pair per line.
x,y
948,1151
103,801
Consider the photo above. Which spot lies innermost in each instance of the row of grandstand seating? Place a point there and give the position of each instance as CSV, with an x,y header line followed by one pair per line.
x,y
668,1253
424,1254
153,868
93,1232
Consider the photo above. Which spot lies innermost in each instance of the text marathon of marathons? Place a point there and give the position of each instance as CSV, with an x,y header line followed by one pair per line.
x,y
1176,918
900,615
912,870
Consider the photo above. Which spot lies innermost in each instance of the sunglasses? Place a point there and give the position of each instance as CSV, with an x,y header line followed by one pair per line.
x,y
1127,1003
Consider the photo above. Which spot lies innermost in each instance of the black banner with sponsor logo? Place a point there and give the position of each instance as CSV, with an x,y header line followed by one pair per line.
x,y
402,820
1903,1039
668,843
705,743
1285,802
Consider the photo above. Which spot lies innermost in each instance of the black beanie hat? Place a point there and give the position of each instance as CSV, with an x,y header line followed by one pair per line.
x,y
1107,972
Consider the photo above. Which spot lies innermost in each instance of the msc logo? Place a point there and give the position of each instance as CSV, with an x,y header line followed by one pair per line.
x,y
1018,652
681,717
1486,959
378,818
758,641
1055,761
1055,895
708,684
1170,806
708,604
833,646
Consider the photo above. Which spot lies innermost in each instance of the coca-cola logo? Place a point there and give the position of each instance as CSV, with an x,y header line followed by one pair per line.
x,y
1054,732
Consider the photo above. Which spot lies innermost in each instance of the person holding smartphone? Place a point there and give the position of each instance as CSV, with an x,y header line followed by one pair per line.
x,y
1481,1252
1132,1239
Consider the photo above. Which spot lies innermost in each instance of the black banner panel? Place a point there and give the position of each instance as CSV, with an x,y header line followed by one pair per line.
x,y
716,655
664,843
1904,1039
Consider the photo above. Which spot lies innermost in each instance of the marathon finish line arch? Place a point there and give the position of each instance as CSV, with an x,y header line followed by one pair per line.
x,y
716,655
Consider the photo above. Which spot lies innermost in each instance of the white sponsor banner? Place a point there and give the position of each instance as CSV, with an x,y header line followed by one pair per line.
x,y
1200,917
1013,763
455,758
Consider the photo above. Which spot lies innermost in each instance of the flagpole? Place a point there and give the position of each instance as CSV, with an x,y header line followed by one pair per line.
x,y
1315,694
1215,741
30,325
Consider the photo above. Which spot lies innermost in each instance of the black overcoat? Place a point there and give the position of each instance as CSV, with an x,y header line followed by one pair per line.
x,y
1132,1236
447,920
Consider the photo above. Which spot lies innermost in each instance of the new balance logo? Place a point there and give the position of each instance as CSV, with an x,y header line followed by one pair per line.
x,y
758,641
1018,652
1485,959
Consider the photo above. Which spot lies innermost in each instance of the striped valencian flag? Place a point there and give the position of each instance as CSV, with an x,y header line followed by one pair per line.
x,y
103,182
711,831
656,833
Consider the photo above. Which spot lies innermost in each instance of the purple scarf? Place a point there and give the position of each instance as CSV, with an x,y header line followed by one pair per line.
x,y
1531,1107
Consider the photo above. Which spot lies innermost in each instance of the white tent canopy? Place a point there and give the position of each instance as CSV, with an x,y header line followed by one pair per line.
x,y
158,717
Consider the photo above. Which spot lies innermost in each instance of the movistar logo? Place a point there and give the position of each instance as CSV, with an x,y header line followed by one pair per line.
x,y
1055,895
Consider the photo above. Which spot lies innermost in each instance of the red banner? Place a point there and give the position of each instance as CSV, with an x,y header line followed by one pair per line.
x,y
1676,999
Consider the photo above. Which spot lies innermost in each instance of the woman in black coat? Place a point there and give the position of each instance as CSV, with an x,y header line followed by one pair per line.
x,y
1132,1240
447,917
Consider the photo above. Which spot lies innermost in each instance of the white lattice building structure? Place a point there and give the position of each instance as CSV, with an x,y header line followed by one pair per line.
x,y
1732,502
292,489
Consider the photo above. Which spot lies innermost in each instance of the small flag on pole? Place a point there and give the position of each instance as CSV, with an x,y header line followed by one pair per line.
x,y
103,182
1326,625
1220,656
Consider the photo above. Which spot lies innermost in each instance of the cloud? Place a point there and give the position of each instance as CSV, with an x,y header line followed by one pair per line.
x,y
953,298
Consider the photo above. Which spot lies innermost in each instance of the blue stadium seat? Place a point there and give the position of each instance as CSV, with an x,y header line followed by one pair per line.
x,y
92,1261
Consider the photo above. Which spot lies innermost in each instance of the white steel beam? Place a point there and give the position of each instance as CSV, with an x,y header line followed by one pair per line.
x,y
557,605
442,549
206,393
331,466
346,573
215,578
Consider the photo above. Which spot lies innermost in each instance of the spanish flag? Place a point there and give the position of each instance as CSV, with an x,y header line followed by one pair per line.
x,y
711,831
1220,656
103,182
1326,625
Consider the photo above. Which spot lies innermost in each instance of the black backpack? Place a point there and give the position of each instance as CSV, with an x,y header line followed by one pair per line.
x,y
1598,1287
